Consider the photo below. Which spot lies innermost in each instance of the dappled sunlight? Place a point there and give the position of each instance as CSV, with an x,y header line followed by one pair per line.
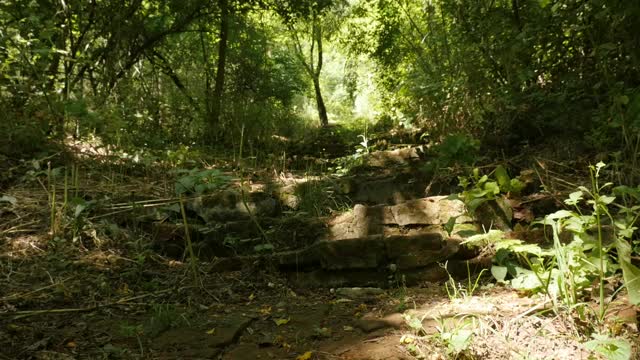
x,y
319,180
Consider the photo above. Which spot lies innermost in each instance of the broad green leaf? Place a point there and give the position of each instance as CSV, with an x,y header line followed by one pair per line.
x,y
8,198
490,237
574,198
610,348
630,272
458,340
560,214
525,280
516,186
475,203
499,272
607,199
492,188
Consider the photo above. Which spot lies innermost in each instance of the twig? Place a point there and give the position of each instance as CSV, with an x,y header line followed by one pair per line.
x,y
533,309
125,301
15,296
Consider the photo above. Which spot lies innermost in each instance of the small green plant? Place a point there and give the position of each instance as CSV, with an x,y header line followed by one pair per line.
x,y
457,339
454,151
458,290
198,181
479,189
453,334
163,317
610,348
567,269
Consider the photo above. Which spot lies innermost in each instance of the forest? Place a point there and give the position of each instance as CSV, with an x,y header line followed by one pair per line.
x,y
319,179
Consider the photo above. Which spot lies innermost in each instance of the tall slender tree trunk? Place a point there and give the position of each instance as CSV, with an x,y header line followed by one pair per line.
x,y
218,91
322,109
315,74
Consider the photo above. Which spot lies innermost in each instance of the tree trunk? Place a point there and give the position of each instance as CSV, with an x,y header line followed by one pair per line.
x,y
322,110
317,37
218,91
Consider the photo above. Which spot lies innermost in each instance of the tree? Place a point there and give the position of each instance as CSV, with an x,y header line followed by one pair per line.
x,y
317,20
218,91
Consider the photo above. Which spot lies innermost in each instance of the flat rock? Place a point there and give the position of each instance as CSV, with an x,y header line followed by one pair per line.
x,y
372,220
365,253
417,251
393,157
356,293
370,324
227,332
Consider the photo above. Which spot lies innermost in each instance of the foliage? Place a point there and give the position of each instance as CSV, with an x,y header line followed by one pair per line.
x,y
479,189
197,181
454,151
614,349
456,290
567,269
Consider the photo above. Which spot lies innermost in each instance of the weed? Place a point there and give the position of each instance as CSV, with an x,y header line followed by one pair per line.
x,y
614,349
163,317
567,270
456,290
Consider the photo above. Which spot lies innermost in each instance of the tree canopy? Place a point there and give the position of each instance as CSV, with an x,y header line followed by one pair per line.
x,y
509,72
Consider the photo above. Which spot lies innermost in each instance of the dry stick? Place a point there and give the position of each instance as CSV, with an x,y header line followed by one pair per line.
x,y
533,309
23,295
192,256
125,301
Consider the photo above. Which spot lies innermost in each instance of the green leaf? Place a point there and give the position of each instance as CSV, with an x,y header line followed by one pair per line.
x,y
448,227
507,210
607,199
490,237
516,186
8,198
624,99
502,178
499,272
492,188
630,272
611,349
525,280
560,214
458,341
475,203
79,209
626,190
263,248
574,198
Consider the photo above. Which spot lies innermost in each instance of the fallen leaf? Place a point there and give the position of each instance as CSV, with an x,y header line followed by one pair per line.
x,y
305,356
211,332
280,322
321,332
10,199
251,297
71,344
407,339
265,310
347,328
